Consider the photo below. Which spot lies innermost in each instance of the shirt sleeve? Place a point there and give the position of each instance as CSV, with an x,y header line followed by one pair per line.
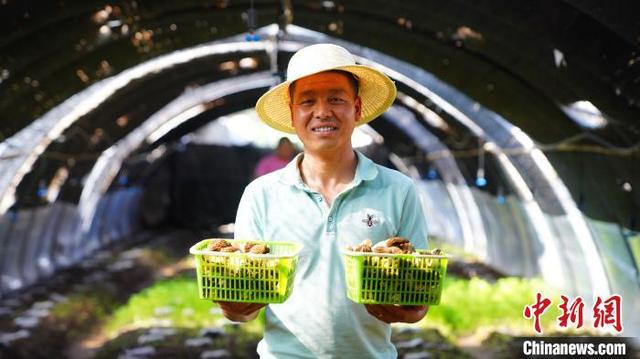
x,y
413,223
248,220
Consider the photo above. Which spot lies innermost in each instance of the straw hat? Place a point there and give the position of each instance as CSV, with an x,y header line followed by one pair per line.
x,y
376,90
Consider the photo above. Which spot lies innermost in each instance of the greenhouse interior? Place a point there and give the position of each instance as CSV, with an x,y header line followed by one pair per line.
x,y
128,134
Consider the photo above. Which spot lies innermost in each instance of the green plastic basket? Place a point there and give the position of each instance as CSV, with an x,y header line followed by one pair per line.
x,y
406,279
246,277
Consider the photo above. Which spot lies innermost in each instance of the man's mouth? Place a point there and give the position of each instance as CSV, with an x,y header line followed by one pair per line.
x,y
324,129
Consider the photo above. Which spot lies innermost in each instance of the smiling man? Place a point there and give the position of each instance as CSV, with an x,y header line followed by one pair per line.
x,y
326,198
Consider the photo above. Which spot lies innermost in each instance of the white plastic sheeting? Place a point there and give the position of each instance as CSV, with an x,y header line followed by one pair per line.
x,y
108,164
20,151
515,246
34,243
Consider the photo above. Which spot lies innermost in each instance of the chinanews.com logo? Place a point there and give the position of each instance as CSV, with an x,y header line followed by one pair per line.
x,y
605,314
582,347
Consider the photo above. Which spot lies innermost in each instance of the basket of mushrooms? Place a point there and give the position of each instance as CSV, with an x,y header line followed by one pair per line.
x,y
393,272
245,271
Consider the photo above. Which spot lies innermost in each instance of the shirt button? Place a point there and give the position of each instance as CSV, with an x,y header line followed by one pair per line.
x,y
330,219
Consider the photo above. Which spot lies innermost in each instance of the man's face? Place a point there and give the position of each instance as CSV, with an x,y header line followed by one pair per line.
x,y
324,111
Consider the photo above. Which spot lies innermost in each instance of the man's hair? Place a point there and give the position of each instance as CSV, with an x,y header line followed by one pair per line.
x,y
353,82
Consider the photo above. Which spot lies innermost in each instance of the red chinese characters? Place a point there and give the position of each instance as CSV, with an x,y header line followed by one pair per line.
x,y
605,312
536,310
610,314
572,313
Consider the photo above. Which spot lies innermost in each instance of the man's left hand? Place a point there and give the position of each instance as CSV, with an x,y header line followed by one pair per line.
x,y
391,313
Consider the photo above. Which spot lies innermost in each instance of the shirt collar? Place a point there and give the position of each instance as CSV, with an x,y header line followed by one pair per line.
x,y
291,174
366,170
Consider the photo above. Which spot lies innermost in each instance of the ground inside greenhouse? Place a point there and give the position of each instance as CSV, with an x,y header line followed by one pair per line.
x,y
67,315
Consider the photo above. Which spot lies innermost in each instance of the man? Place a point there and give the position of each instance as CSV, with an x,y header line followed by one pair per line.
x,y
278,159
326,198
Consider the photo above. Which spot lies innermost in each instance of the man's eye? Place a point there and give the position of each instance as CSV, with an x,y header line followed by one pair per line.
x,y
336,100
306,102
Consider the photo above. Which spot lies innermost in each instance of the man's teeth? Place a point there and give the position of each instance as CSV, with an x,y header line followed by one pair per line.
x,y
324,129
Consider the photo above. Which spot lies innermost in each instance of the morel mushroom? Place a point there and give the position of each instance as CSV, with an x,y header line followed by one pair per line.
x,y
230,249
247,247
217,244
258,249
380,249
365,246
396,241
393,245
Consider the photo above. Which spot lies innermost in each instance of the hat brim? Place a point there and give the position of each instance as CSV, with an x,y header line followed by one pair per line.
x,y
377,93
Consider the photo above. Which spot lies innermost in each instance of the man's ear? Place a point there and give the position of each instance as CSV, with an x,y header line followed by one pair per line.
x,y
358,108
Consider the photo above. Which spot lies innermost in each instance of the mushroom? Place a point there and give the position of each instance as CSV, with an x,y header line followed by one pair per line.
x,y
365,246
393,245
230,249
259,249
217,244
247,247
396,241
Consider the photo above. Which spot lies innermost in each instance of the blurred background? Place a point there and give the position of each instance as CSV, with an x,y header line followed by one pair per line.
x,y
128,134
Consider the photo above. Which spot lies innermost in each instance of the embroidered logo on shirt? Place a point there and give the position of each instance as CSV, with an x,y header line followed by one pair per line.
x,y
371,220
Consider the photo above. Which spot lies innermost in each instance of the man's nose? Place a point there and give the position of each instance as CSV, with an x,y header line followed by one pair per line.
x,y
322,110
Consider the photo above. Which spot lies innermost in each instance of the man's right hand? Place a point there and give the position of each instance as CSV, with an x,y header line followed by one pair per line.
x,y
240,312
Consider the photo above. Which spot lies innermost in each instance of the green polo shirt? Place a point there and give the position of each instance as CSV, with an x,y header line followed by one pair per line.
x,y
318,320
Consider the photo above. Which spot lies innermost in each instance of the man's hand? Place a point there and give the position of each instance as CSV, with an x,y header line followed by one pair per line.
x,y
240,312
391,313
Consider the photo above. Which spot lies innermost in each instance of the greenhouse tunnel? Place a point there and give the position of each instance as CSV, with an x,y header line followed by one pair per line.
x,y
518,121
